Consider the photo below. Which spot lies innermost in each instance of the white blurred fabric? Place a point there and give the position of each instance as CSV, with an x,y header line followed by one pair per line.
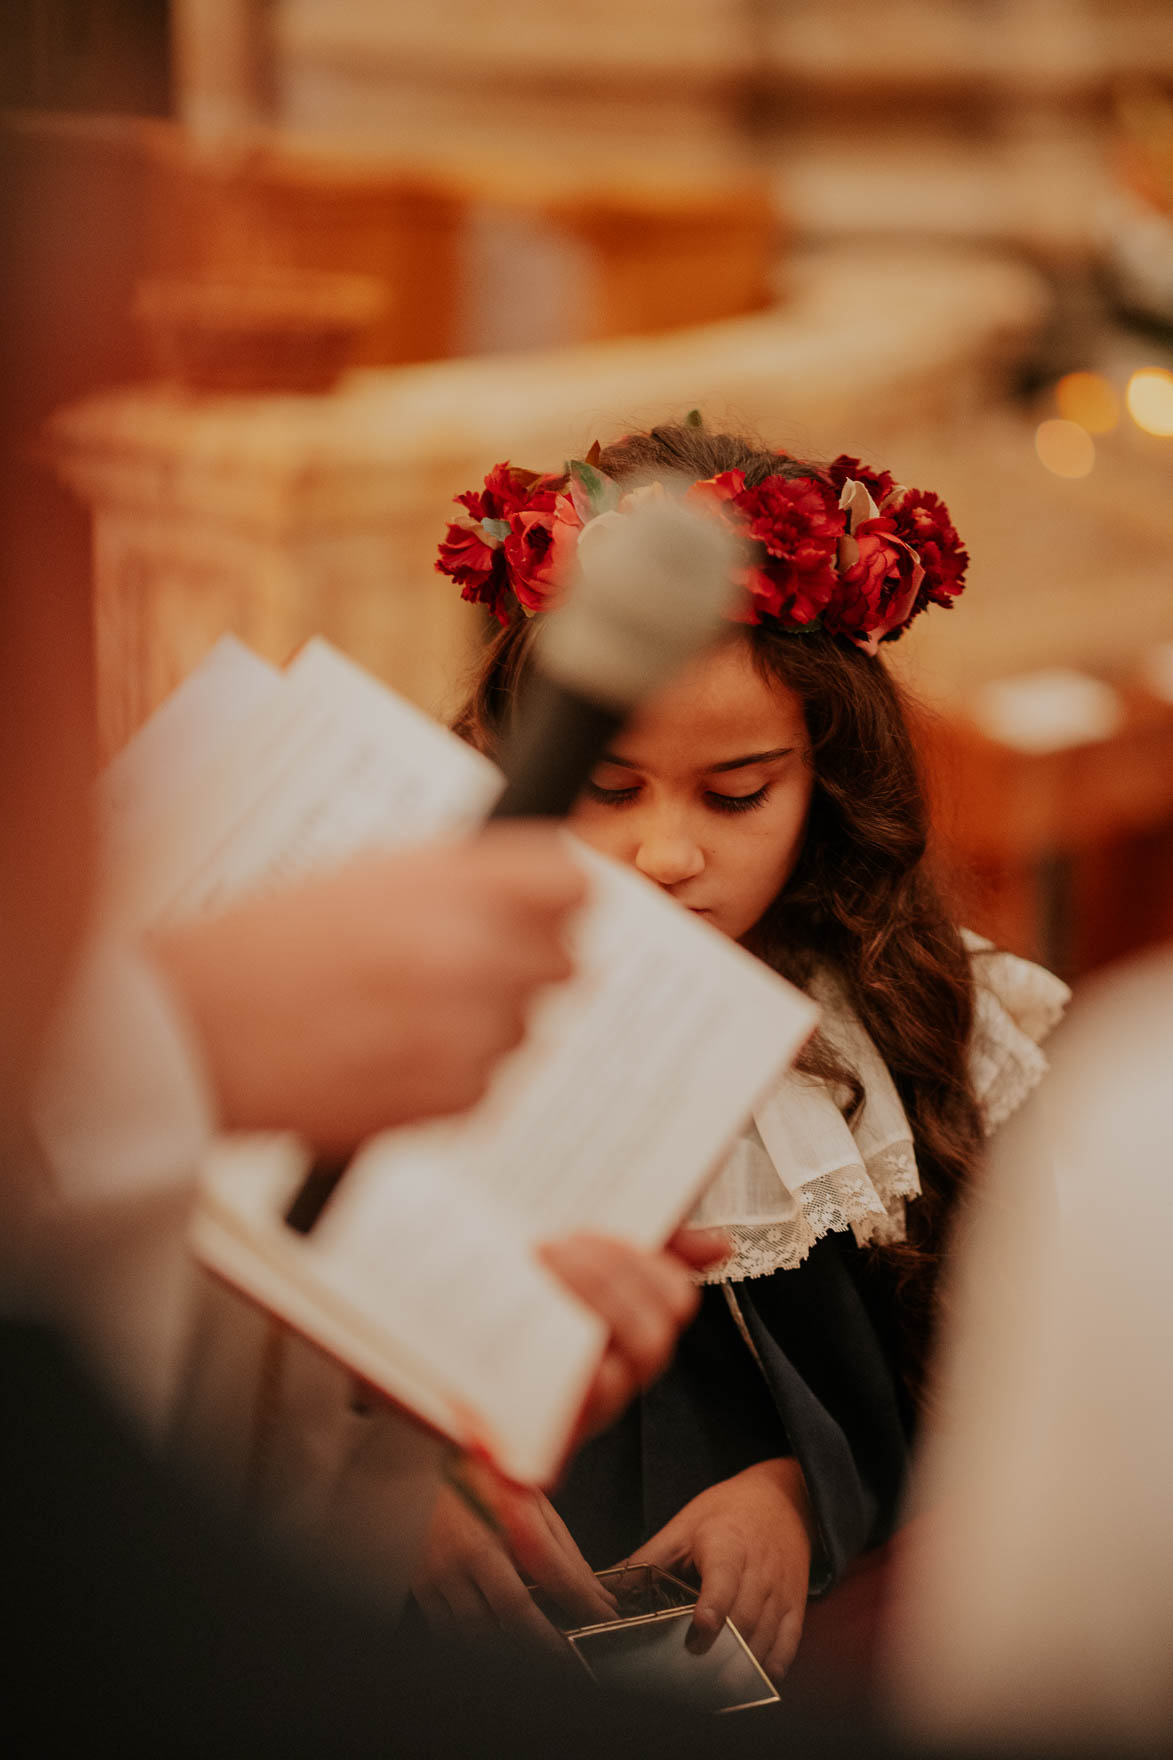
x,y
1038,1601
123,1115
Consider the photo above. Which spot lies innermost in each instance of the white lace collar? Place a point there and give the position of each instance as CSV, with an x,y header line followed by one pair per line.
x,y
800,1171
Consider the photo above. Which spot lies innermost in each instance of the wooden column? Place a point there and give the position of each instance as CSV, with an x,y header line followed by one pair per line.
x,y
220,56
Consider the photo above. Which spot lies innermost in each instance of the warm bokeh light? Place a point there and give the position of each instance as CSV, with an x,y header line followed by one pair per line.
x,y
1150,400
1065,448
1088,398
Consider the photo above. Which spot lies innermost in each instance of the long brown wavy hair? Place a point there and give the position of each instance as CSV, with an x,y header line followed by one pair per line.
x,y
861,903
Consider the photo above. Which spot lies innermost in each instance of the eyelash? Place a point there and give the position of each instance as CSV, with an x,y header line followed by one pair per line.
x,y
720,803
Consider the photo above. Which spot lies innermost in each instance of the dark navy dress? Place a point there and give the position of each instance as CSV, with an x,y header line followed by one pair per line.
x,y
824,1386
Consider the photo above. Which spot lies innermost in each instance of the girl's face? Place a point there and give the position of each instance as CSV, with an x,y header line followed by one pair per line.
x,y
707,790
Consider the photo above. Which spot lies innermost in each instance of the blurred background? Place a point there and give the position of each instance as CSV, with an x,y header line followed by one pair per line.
x,y
286,274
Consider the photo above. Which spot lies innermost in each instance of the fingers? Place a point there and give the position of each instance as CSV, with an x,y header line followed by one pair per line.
x,y
531,864
510,1602
467,1579
756,1612
603,1600
721,1578
525,879
610,1392
748,1540
785,1644
667,1549
731,1589
759,1608
762,1607
699,1248
545,1552
454,1601
644,1298
722,1573
415,973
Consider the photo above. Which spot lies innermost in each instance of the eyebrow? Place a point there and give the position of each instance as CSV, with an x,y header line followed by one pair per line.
x,y
712,769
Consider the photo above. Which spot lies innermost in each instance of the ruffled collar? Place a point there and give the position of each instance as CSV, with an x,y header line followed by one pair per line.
x,y
801,1171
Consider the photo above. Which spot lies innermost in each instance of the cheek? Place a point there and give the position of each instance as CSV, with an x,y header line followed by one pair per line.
x,y
760,860
790,832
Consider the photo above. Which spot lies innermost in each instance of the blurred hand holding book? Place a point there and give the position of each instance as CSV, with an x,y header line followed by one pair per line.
x,y
635,1077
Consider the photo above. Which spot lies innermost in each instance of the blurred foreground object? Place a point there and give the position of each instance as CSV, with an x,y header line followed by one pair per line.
x,y
1036,1606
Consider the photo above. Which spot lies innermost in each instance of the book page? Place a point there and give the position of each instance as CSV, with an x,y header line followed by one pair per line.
x,y
396,1300
331,765
634,1079
186,737
636,1075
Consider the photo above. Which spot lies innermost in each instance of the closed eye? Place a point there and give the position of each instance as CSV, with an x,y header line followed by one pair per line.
x,y
610,797
737,803
720,803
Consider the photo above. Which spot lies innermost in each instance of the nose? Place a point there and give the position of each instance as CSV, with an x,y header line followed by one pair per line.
x,y
668,855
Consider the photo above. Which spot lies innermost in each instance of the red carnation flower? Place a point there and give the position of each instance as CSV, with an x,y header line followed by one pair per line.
x,y
718,495
799,527
474,550
923,521
506,491
477,566
540,549
877,483
879,579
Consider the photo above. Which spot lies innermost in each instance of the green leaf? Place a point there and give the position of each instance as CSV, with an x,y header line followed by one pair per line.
x,y
591,492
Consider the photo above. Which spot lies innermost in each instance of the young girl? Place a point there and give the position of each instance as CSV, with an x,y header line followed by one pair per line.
x,y
775,791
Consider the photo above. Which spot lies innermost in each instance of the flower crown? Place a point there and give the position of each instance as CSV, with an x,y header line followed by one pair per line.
x,y
847,550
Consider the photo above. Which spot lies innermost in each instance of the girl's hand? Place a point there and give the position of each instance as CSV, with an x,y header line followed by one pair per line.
x,y
472,1575
749,1540
646,1299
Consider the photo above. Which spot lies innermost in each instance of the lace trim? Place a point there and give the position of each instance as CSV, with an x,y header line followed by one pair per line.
x,y
1017,1005
1003,1081
867,1200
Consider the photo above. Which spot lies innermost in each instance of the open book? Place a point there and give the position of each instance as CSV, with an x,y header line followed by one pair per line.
x,y
634,1080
